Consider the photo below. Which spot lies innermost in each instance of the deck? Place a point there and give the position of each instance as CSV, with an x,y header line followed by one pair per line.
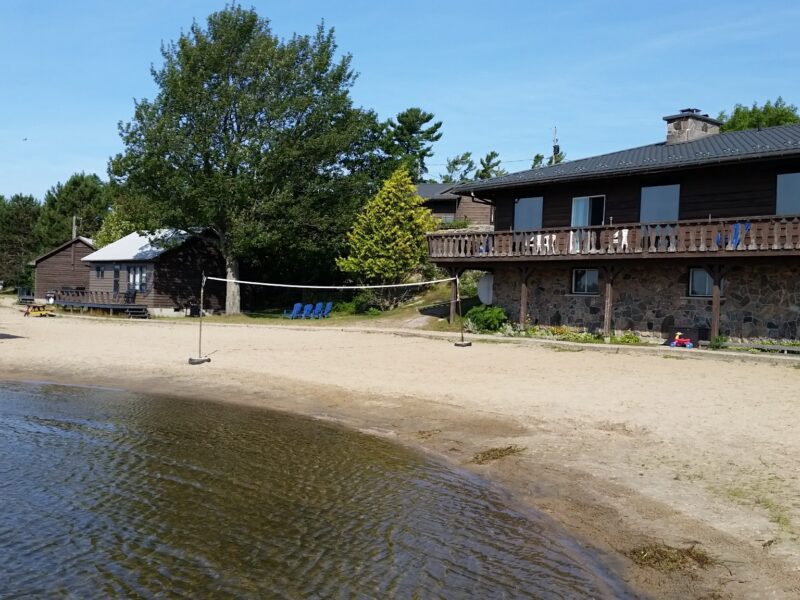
x,y
754,236
88,300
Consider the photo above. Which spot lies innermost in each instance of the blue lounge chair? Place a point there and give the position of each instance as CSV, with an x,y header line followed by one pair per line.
x,y
326,311
294,313
307,311
317,312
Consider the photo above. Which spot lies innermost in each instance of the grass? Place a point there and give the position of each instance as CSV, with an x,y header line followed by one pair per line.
x,y
776,513
481,458
666,559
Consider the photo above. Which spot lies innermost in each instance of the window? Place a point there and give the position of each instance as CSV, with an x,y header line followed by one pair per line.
x,y
528,214
701,284
99,272
116,278
660,203
788,200
585,281
588,210
137,279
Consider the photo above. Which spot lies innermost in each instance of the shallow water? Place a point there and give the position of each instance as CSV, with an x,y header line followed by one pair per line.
x,y
106,493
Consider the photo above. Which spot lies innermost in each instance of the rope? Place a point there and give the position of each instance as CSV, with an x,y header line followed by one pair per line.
x,y
332,287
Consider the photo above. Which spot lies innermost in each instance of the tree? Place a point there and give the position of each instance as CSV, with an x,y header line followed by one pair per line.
x,y
490,167
556,158
387,241
755,116
459,168
255,139
18,246
538,161
410,141
82,196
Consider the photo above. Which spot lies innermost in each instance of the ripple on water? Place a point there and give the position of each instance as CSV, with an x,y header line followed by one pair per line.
x,y
111,493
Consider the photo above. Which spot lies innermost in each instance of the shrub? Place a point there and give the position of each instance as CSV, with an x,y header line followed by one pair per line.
x,y
487,318
717,342
626,338
454,224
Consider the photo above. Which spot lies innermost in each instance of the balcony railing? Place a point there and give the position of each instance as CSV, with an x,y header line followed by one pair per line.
x,y
755,235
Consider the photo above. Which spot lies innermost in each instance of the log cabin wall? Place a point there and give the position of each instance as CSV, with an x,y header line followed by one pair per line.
x,y
478,213
178,272
728,191
63,268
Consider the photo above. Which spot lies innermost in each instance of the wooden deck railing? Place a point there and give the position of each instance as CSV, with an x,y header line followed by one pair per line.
x,y
92,298
718,237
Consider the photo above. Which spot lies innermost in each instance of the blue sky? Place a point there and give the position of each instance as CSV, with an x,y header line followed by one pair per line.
x,y
499,75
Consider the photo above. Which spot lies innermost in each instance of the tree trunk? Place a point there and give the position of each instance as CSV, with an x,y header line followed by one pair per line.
x,y
233,304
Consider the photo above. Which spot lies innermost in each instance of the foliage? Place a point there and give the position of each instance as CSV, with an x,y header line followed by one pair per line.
x,y
18,217
254,138
564,334
487,318
468,283
387,241
409,140
768,115
490,166
454,224
82,196
718,342
459,168
556,158
362,301
627,337
538,161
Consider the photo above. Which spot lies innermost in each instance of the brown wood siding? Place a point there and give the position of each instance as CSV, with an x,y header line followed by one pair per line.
x,y
477,213
723,192
106,283
176,281
63,269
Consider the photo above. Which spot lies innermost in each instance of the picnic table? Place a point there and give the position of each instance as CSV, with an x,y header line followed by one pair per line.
x,y
37,310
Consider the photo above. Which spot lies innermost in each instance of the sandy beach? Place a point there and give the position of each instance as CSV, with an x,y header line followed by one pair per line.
x,y
622,449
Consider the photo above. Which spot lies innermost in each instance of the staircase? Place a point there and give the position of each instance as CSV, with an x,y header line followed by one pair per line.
x,y
137,312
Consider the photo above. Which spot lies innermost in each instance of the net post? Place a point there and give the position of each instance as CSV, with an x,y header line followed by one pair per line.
x,y
200,358
462,343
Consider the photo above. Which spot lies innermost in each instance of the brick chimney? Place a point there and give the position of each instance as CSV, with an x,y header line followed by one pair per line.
x,y
689,125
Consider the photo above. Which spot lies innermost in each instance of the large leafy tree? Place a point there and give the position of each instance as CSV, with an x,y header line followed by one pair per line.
x,y
18,217
459,168
84,197
752,117
255,139
410,138
388,240
490,166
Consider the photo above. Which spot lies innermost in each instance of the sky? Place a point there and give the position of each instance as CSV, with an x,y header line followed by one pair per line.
x,y
499,75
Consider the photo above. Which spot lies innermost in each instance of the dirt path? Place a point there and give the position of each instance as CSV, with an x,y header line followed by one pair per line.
x,y
623,449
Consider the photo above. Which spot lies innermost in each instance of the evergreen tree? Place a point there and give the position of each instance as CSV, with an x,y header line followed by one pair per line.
x,y
18,217
411,142
387,242
490,167
556,158
459,168
538,161
82,196
769,115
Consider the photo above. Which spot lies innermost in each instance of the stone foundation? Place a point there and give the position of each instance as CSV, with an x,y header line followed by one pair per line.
x,y
760,300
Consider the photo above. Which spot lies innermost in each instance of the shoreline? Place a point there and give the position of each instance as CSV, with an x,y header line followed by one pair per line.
x,y
577,465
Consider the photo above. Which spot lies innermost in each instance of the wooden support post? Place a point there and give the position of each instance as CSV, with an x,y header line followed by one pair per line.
x,y
524,274
453,294
609,273
716,273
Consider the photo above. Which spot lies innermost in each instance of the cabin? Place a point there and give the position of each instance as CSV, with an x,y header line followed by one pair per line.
x,y
448,207
62,268
158,274
700,231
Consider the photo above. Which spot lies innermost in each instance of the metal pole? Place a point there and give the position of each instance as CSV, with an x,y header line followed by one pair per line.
x,y
462,343
200,358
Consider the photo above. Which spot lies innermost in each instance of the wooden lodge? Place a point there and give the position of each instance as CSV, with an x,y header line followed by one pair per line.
x,y
144,275
62,268
699,232
448,207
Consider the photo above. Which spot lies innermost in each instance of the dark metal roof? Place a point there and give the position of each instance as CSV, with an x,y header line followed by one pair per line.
x,y
692,113
752,144
436,191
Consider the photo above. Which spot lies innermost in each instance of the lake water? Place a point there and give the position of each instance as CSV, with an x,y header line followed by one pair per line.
x,y
106,493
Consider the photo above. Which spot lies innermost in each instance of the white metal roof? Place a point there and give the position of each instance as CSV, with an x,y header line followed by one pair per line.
x,y
139,247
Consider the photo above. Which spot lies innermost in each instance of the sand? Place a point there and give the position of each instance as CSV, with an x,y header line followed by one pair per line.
x,y
622,449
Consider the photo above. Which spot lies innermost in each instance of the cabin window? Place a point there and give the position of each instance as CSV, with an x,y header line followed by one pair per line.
x,y
586,282
701,284
788,201
588,211
99,272
137,279
116,278
528,214
660,203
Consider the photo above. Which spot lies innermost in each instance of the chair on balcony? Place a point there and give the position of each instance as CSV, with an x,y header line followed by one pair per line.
x,y
294,313
620,240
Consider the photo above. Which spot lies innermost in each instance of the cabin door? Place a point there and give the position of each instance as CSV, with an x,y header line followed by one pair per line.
x,y
116,279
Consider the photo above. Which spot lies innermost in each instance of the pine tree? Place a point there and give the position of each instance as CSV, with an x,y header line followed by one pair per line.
x,y
387,242
490,167
458,169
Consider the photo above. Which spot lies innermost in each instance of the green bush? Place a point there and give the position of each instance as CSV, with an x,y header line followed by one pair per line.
x,y
717,342
626,338
487,318
455,224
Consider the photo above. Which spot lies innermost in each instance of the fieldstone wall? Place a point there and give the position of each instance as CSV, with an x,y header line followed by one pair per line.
x,y
760,300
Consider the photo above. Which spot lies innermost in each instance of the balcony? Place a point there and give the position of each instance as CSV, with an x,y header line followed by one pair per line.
x,y
753,236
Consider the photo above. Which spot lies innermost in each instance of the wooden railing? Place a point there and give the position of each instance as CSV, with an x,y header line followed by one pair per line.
x,y
91,298
741,236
